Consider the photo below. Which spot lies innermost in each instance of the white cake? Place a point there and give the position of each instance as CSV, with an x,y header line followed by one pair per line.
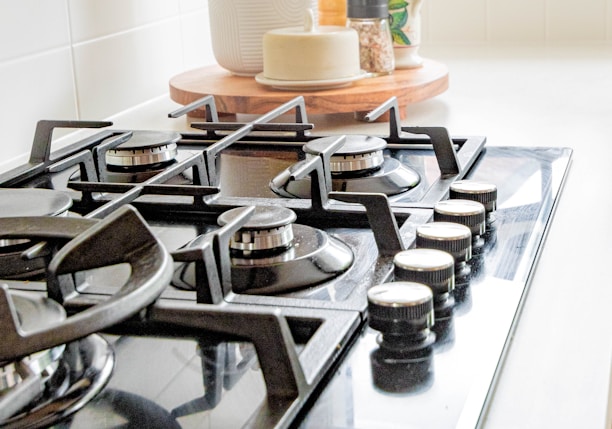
x,y
310,54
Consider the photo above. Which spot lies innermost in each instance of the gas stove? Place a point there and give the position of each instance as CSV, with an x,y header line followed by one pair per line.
x,y
260,275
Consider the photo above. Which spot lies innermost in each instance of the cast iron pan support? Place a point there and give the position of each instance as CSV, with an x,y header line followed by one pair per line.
x,y
379,213
212,123
40,156
208,102
443,148
212,151
283,373
439,136
212,260
378,210
93,245
380,217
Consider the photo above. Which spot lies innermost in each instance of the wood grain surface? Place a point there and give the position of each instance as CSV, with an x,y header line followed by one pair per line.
x,y
239,94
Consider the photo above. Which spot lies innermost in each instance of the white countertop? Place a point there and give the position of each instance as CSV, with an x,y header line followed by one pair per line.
x,y
557,369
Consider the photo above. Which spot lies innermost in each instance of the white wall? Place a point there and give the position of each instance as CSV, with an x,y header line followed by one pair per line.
x,y
90,59
532,21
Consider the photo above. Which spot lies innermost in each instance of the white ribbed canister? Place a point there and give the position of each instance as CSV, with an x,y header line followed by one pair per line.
x,y
237,28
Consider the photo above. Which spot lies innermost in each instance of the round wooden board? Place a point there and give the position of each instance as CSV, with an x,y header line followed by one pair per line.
x,y
238,94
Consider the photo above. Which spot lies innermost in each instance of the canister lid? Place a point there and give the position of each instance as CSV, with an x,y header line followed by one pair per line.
x,y
367,9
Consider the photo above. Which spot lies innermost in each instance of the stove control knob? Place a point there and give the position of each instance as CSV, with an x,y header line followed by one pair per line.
x,y
401,309
453,238
432,267
484,193
466,212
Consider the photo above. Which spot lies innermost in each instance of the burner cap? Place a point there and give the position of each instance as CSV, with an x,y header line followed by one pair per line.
x,y
358,154
269,228
30,202
33,202
144,148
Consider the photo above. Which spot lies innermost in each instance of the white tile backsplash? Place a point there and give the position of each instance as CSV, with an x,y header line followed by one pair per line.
x,y
90,59
516,21
96,18
117,72
33,88
192,5
457,21
571,21
196,39
32,26
520,21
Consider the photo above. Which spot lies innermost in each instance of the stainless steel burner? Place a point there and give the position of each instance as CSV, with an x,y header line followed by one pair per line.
x,y
31,202
84,370
34,313
144,148
46,386
311,256
358,166
268,229
315,257
272,255
27,202
359,154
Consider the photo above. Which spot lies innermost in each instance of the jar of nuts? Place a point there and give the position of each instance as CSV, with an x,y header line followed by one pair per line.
x,y
370,18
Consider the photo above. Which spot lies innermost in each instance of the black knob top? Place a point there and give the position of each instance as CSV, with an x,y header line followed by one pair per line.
x,y
466,212
400,308
484,193
450,237
432,267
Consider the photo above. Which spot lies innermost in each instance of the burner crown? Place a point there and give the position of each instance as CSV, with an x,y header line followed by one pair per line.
x,y
359,153
269,228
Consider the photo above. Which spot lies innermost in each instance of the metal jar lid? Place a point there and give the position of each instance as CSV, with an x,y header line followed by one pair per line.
x,y
367,9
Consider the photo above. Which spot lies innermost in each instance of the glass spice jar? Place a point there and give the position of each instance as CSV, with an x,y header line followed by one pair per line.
x,y
370,18
332,12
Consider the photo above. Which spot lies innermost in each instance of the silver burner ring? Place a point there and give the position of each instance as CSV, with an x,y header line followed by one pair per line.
x,y
134,157
262,239
43,364
356,162
359,153
269,228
